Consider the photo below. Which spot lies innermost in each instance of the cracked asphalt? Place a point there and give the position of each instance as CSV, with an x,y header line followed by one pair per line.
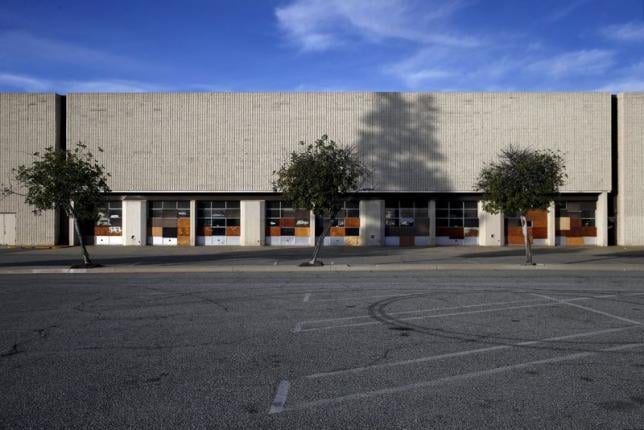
x,y
404,350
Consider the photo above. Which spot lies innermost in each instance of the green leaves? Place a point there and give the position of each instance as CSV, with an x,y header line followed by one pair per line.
x,y
56,178
319,176
522,180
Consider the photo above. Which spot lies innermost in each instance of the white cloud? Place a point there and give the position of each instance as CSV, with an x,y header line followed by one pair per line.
x,y
629,32
20,46
624,85
564,11
574,63
30,83
317,25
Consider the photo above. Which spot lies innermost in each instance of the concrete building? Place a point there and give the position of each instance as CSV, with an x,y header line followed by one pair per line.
x,y
196,169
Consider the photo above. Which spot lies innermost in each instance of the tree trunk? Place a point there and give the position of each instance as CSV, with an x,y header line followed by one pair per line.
x,y
320,240
86,260
526,240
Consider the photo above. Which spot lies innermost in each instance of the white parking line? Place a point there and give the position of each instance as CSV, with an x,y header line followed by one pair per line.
x,y
464,353
280,398
420,311
455,378
586,308
299,326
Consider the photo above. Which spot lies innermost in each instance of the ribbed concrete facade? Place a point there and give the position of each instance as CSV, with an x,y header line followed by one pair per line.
x,y
28,123
414,142
630,168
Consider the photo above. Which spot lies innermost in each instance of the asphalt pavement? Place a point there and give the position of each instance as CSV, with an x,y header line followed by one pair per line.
x,y
298,350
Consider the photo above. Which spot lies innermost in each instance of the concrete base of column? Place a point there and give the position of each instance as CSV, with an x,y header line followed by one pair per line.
x,y
134,222
491,228
253,213
601,219
372,223
551,239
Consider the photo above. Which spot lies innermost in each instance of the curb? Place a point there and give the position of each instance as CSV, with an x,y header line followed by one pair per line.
x,y
329,268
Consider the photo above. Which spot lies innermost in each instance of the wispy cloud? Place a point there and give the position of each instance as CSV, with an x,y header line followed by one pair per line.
x,y
24,46
579,63
18,82
317,25
564,11
628,32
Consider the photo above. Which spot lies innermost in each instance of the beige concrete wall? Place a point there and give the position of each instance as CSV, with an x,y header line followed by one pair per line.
x,y
411,141
28,123
630,162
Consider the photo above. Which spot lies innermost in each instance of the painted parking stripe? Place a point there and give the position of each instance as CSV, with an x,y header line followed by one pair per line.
x,y
280,398
468,352
300,329
586,308
456,378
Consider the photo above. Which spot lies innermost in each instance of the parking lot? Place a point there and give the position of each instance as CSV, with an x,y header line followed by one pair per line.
x,y
334,350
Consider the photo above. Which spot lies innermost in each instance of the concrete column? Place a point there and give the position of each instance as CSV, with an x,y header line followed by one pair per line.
x,y
193,222
253,213
491,228
551,240
432,222
73,237
311,229
372,223
135,222
601,219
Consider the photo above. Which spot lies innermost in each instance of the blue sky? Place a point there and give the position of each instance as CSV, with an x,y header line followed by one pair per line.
x,y
322,45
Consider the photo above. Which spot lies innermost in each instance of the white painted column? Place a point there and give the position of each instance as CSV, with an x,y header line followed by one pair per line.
x,y
73,237
491,227
193,222
372,223
253,213
311,229
601,219
135,222
551,239
432,222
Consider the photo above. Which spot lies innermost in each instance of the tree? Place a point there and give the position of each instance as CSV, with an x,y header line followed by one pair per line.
x,y
522,180
318,178
70,180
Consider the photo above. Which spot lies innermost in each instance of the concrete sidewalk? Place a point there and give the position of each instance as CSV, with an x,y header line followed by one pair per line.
x,y
257,259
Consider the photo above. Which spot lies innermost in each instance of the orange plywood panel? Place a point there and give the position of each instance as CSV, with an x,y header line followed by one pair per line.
x,y
183,240
540,232
275,231
233,231
574,241
337,231
157,231
302,231
101,231
589,231
352,222
539,218
471,232
183,223
287,222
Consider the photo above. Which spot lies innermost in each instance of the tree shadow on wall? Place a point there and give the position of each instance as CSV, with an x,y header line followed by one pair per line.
x,y
399,144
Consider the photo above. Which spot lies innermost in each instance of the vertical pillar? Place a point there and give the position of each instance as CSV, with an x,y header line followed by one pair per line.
x,y
432,222
601,219
491,227
193,222
372,223
252,217
134,222
312,229
551,239
73,237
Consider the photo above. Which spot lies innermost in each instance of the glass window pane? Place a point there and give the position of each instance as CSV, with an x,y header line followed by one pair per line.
x,y
471,222
156,204
169,204
183,204
219,204
233,204
470,213
470,204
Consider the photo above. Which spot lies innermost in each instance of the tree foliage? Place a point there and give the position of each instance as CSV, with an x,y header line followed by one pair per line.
x,y
70,180
318,178
521,180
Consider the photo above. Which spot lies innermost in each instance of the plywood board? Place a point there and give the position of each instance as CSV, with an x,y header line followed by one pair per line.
x,y
589,231
302,231
336,231
287,222
352,241
574,241
233,231
563,223
352,222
